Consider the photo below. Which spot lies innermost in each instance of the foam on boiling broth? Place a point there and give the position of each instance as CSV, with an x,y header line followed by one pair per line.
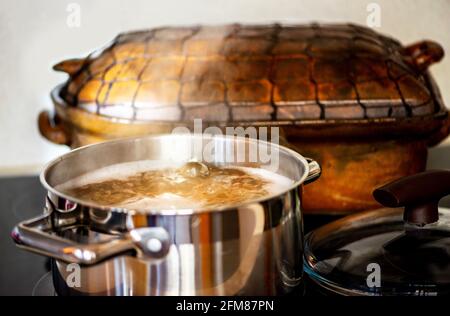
x,y
156,185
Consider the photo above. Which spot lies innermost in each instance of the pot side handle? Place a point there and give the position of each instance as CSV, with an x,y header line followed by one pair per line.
x,y
37,235
314,171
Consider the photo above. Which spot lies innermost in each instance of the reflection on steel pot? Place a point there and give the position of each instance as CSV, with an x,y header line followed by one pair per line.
x,y
253,248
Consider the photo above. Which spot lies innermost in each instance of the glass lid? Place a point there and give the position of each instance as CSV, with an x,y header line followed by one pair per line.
x,y
391,251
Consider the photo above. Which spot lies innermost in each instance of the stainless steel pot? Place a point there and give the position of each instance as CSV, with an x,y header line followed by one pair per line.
x,y
250,249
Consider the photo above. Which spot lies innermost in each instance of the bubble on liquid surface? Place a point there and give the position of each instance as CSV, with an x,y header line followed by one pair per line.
x,y
194,169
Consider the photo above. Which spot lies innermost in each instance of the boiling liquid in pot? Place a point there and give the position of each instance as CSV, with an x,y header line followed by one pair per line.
x,y
149,185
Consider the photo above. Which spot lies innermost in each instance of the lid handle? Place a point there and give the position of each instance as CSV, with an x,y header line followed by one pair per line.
x,y
419,194
422,54
71,66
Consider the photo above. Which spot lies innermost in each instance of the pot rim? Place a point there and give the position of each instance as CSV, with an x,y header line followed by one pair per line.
x,y
187,211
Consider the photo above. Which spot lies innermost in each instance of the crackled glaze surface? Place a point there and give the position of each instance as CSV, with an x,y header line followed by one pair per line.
x,y
236,73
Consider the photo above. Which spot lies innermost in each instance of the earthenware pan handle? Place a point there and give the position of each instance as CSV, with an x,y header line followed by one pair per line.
x,y
52,129
423,54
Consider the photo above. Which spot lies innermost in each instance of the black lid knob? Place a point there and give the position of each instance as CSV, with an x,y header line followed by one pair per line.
x,y
419,194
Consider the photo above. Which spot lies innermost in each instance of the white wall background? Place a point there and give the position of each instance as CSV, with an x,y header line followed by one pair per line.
x,y
34,35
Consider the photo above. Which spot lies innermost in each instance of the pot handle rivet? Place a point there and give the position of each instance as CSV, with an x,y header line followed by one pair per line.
x,y
152,241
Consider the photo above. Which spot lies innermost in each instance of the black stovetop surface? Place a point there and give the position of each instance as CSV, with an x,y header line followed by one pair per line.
x,y
24,273
20,198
